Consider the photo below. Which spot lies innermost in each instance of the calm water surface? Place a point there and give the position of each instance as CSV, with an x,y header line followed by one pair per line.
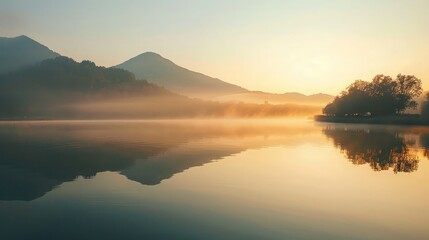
x,y
291,179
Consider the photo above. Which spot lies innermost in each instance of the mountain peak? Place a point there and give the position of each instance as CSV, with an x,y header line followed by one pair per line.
x,y
149,56
23,37
159,70
19,39
21,51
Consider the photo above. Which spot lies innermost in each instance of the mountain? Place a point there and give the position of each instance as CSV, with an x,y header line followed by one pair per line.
x,y
161,71
22,51
54,88
61,88
319,99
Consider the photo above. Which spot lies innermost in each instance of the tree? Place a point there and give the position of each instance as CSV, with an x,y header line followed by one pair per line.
x,y
381,96
408,87
352,101
425,107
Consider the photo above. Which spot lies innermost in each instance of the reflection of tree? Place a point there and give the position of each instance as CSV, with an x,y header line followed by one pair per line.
x,y
424,139
381,150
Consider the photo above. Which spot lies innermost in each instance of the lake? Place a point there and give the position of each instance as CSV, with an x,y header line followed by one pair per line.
x,y
212,179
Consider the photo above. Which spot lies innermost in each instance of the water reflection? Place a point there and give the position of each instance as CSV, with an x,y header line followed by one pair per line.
x,y
37,157
424,139
292,183
381,149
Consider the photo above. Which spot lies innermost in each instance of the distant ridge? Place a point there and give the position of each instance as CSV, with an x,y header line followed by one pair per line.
x,y
161,71
19,52
22,51
274,98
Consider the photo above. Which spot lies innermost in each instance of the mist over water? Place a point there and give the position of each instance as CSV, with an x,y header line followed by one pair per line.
x,y
170,107
196,179
62,88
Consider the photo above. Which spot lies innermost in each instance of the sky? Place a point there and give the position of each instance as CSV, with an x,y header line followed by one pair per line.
x,y
307,46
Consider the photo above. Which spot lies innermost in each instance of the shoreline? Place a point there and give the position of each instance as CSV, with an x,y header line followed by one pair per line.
x,y
278,120
410,120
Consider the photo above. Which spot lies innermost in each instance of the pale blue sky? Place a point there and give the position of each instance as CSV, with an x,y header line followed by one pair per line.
x,y
307,46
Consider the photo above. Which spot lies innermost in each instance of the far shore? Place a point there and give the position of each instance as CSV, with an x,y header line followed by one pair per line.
x,y
408,119
276,119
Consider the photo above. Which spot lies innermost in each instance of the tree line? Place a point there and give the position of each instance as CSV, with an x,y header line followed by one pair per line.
x,y
382,96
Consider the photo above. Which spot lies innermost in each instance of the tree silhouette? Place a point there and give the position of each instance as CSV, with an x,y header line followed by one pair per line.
x,y
425,107
382,96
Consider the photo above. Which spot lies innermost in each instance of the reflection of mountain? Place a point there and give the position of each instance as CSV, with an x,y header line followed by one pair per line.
x,y
153,170
382,150
37,157
31,167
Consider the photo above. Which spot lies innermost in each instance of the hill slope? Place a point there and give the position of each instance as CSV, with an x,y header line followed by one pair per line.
x,y
55,87
319,99
61,88
22,51
156,69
